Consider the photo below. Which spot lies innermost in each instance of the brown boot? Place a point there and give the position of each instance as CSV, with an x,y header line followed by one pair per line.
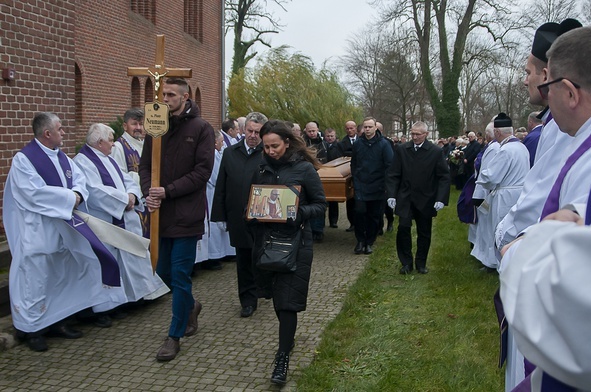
x,y
192,324
168,350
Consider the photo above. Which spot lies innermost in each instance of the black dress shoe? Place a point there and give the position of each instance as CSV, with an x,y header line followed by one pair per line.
x,y
350,229
359,248
37,343
368,250
334,225
405,270
103,321
64,331
422,270
247,311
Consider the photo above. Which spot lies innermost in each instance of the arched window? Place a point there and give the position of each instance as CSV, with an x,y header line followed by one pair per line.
x,y
149,91
198,99
194,19
78,95
136,97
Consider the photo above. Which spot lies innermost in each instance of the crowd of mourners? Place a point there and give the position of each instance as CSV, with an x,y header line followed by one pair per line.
x,y
79,229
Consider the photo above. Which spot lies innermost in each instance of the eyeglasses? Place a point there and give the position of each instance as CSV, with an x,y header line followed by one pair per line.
x,y
545,88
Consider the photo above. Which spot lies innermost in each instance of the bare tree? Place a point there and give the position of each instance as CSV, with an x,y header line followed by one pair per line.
x,y
381,69
247,19
537,12
441,29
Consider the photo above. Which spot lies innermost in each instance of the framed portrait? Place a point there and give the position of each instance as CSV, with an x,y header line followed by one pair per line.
x,y
273,203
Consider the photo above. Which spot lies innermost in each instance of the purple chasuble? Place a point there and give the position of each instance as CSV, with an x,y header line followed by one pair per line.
x,y
45,168
553,201
104,173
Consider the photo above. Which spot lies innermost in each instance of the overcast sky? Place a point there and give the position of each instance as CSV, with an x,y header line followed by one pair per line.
x,y
318,29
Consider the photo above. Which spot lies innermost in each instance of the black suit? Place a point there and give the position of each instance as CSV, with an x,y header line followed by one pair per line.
x,y
229,204
417,179
470,153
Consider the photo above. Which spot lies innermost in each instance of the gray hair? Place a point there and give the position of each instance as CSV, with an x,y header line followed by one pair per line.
x,y
420,126
43,121
256,117
489,131
133,114
98,132
506,130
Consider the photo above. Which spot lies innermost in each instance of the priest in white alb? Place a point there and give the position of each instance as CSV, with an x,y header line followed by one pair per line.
x,y
114,197
503,176
59,267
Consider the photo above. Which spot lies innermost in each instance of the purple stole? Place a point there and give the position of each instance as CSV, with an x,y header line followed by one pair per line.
x,y
226,139
104,173
549,384
553,201
132,157
45,168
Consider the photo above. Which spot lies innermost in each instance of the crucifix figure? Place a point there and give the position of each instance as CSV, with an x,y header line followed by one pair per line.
x,y
158,71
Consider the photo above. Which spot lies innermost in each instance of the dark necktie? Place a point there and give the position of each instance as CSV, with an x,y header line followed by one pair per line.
x,y
416,147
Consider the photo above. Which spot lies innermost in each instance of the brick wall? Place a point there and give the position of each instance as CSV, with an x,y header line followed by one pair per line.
x,y
45,40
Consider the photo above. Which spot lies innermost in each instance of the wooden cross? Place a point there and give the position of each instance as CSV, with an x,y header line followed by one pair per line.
x,y
158,71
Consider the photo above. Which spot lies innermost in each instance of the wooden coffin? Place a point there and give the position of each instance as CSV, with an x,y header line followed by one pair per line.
x,y
336,179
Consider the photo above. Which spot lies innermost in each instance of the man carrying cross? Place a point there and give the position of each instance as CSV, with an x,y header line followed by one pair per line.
x,y
186,165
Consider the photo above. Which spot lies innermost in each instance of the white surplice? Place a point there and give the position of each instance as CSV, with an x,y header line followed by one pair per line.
x,y
537,185
106,203
482,228
547,299
503,176
54,273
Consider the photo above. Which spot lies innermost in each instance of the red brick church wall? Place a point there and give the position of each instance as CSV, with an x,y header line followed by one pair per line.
x,y
44,41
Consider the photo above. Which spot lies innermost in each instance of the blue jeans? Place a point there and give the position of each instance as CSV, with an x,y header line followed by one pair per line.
x,y
176,258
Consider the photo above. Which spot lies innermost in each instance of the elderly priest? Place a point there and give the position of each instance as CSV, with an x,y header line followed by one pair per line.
x,y
114,197
59,266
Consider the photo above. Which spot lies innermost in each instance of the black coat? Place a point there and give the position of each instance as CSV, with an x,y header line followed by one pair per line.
x,y
369,163
333,151
232,190
347,146
419,176
290,290
186,164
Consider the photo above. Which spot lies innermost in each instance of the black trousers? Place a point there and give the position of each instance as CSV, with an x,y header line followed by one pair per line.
x,y
333,212
404,239
245,271
368,217
350,205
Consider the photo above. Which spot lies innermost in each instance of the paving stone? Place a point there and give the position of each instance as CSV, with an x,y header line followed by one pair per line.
x,y
228,353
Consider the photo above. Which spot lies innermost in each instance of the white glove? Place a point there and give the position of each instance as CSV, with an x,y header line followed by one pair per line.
x,y
438,205
391,202
221,226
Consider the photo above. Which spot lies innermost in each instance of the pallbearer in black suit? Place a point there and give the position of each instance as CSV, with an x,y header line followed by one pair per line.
x,y
418,186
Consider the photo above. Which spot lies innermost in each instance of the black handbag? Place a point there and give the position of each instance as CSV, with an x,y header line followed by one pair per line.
x,y
280,251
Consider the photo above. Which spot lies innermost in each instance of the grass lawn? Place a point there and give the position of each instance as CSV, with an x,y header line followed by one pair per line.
x,y
434,332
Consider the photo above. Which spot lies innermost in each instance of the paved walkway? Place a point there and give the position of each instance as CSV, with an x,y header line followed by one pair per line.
x,y
228,353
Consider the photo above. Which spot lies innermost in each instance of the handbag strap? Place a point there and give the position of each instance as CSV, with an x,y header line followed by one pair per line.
x,y
294,190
